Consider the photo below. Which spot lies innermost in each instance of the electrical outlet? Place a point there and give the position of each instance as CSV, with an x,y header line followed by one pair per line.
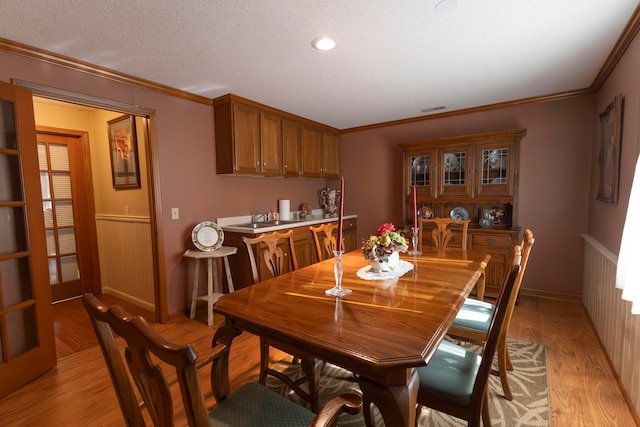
x,y
175,213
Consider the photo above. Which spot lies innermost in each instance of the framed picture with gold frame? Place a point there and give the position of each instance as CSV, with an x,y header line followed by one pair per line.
x,y
123,148
611,121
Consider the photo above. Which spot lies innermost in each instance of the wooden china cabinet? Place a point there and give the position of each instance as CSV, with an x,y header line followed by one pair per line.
x,y
474,176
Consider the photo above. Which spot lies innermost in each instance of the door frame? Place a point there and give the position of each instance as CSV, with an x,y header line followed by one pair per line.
x,y
153,175
90,208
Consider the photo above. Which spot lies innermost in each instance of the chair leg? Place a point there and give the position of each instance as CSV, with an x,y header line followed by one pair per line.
x,y
418,412
264,361
503,354
366,411
509,364
486,417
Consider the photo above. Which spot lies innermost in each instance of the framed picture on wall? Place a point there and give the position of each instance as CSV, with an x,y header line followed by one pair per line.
x,y
610,145
124,152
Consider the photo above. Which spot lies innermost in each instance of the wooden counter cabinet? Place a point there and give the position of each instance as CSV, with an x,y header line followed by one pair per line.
x,y
304,247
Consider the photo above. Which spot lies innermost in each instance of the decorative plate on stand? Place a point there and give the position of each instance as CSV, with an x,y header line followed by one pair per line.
x,y
425,212
499,215
459,213
207,236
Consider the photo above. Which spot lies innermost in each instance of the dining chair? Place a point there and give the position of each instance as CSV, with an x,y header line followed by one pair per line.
x,y
472,321
441,234
455,380
274,259
323,238
147,354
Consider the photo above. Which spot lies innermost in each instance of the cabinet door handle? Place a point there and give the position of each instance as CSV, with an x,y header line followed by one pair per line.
x,y
490,241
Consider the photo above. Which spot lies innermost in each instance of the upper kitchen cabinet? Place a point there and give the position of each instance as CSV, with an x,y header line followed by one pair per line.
x,y
248,141
254,139
271,144
330,155
291,140
311,151
237,131
320,153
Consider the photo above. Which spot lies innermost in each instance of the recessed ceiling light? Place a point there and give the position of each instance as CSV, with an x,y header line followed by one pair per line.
x,y
429,110
445,6
323,43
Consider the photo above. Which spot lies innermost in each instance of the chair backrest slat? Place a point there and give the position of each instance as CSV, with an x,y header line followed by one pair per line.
x,y
323,238
273,255
441,233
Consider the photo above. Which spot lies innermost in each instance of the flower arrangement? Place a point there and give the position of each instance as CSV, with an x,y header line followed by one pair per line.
x,y
387,241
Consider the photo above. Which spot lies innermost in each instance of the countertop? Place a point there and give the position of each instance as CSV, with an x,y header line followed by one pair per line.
x,y
309,220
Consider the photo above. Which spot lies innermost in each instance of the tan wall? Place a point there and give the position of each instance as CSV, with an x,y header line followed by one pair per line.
x,y
606,219
94,122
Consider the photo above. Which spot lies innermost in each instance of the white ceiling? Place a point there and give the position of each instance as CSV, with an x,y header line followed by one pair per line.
x,y
393,57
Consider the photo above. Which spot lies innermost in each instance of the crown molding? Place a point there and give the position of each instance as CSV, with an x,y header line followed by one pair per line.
x,y
85,67
506,104
625,39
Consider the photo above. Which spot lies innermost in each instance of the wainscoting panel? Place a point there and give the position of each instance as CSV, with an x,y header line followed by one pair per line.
x,y
126,261
618,329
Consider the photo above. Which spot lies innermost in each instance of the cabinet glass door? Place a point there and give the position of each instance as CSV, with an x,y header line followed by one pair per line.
x,y
494,164
456,180
421,170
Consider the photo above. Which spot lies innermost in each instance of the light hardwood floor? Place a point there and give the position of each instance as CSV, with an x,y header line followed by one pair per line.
x,y
583,390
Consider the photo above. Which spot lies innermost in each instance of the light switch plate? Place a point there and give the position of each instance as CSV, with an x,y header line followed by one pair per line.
x,y
175,213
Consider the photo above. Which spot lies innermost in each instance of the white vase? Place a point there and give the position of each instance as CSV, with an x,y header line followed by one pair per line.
x,y
388,265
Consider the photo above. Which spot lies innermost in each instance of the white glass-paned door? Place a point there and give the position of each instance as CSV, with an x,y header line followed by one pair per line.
x,y
58,206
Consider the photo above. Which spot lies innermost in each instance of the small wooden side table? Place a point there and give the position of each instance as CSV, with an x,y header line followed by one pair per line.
x,y
214,290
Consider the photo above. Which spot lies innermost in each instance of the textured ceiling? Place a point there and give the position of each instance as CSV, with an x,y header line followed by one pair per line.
x,y
392,60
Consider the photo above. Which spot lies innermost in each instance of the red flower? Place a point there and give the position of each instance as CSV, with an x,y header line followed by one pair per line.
x,y
386,228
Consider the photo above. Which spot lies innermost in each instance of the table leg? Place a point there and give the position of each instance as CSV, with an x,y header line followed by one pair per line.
x,y
480,286
194,293
396,404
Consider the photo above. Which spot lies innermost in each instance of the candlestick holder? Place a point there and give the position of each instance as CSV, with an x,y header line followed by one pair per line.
x,y
414,241
338,290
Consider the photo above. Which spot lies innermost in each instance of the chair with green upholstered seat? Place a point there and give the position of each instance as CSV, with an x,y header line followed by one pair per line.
x,y
147,352
472,321
270,245
455,380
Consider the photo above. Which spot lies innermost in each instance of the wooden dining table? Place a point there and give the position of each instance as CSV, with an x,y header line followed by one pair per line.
x,y
380,331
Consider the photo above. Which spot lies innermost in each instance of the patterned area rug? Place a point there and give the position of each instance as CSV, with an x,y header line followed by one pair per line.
x,y
528,381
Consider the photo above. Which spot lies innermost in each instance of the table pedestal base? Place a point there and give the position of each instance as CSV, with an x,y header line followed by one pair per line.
x,y
396,404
